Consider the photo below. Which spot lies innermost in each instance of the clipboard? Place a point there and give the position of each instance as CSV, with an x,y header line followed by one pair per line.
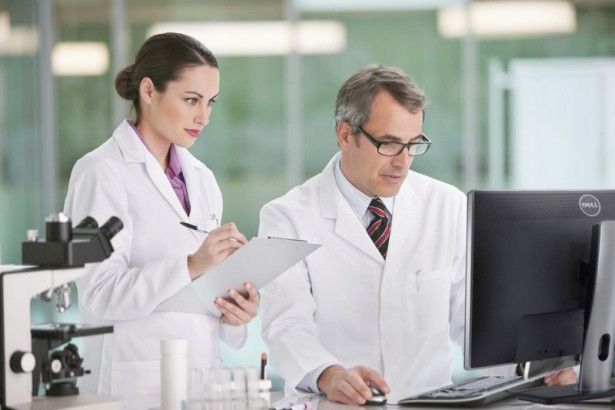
x,y
259,262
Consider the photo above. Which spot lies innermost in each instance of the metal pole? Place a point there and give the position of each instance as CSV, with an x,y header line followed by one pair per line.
x,y
48,126
294,147
497,86
469,100
119,54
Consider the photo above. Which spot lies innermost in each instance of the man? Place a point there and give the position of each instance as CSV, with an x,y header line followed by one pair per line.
x,y
385,292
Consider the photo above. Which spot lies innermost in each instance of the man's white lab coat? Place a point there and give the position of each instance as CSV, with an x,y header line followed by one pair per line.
x,y
346,305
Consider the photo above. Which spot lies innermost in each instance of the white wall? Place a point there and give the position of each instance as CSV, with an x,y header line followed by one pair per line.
x,y
562,123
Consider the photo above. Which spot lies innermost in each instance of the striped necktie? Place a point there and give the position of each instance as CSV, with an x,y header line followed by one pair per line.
x,y
379,228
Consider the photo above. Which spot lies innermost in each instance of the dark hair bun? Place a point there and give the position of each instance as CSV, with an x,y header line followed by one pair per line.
x,y
124,84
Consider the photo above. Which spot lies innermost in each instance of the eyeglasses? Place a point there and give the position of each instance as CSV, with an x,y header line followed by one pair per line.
x,y
393,149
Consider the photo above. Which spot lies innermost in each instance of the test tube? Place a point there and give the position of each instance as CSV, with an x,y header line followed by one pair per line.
x,y
214,389
195,385
252,381
239,381
226,385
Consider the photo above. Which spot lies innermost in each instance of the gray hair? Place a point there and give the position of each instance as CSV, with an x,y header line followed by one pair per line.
x,y
356,96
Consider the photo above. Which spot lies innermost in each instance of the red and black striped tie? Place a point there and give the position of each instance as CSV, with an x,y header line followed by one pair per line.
x,y
379,228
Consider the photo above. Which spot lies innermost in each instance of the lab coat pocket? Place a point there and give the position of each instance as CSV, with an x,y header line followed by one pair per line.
x,y
135,378
427,299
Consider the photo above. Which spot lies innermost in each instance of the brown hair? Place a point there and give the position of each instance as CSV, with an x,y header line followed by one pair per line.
x,y
161,58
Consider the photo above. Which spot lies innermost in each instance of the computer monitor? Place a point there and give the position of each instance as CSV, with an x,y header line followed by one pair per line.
x,y
531,268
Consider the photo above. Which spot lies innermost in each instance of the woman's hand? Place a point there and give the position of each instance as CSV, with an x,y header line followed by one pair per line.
x,y
243,310
219,245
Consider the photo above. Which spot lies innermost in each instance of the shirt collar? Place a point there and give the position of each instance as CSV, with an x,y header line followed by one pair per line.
x,y
174,168
136,130
357,200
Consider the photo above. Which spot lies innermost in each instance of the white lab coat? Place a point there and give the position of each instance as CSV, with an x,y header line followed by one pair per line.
x,y
346,305
122,178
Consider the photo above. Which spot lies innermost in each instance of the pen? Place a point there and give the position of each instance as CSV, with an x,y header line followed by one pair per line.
x,y
194,227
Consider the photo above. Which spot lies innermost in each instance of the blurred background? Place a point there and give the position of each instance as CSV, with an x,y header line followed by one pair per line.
x,y
520,95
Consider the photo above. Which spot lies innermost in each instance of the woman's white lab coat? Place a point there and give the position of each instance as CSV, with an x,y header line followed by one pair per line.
x,y
346,305
122,178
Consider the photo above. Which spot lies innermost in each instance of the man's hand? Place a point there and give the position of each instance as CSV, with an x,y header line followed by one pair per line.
x,y
350,386
561,378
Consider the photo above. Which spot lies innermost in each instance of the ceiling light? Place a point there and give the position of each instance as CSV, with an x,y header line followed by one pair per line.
x,y
369,5
80,59
20,40
507,18
5,24
260,38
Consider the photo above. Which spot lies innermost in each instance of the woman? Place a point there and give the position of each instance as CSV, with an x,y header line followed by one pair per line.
x,y
145,175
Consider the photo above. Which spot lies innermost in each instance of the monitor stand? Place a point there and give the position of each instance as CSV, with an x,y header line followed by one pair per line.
x,y
597,359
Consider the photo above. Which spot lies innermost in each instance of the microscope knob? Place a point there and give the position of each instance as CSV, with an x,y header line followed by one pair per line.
x,y
22,362
56,366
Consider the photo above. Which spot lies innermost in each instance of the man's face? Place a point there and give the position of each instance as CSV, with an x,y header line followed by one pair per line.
x,y
372,173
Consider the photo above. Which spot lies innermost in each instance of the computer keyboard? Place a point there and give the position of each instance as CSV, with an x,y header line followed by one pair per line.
x,y
476,391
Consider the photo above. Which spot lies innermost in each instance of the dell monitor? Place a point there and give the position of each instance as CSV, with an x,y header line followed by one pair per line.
x,y
532,265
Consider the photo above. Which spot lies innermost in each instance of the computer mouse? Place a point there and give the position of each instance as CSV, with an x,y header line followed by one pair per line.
x,y
378,397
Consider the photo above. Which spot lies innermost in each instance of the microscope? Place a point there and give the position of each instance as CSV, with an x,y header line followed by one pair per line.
x,y
50,266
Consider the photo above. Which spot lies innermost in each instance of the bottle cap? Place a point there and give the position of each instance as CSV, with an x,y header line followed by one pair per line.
x,y
174,346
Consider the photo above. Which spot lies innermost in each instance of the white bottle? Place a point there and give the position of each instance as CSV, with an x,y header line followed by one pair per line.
x,y
173,374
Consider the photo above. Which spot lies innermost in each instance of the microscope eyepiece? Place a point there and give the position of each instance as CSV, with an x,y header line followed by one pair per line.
x,y
112,227
87,223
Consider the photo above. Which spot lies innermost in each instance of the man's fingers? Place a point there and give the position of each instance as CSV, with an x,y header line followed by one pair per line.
x,y
350,386
358,389
346,393
373,378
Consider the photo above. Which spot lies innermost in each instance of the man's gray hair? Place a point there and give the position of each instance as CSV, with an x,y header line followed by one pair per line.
x,y
356,96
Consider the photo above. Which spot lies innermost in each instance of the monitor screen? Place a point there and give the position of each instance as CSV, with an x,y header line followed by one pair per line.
x,y
527,273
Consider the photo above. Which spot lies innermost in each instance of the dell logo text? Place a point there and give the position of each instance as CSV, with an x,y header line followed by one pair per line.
x,y
589,204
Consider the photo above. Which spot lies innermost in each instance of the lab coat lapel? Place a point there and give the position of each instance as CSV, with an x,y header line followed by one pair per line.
x,y
190,170
134,150
334,206
157,175
404,231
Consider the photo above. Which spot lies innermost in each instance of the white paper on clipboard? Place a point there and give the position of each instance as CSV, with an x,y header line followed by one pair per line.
x,y
258,262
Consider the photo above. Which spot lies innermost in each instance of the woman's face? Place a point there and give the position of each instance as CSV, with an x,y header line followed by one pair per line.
x,y
179,114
